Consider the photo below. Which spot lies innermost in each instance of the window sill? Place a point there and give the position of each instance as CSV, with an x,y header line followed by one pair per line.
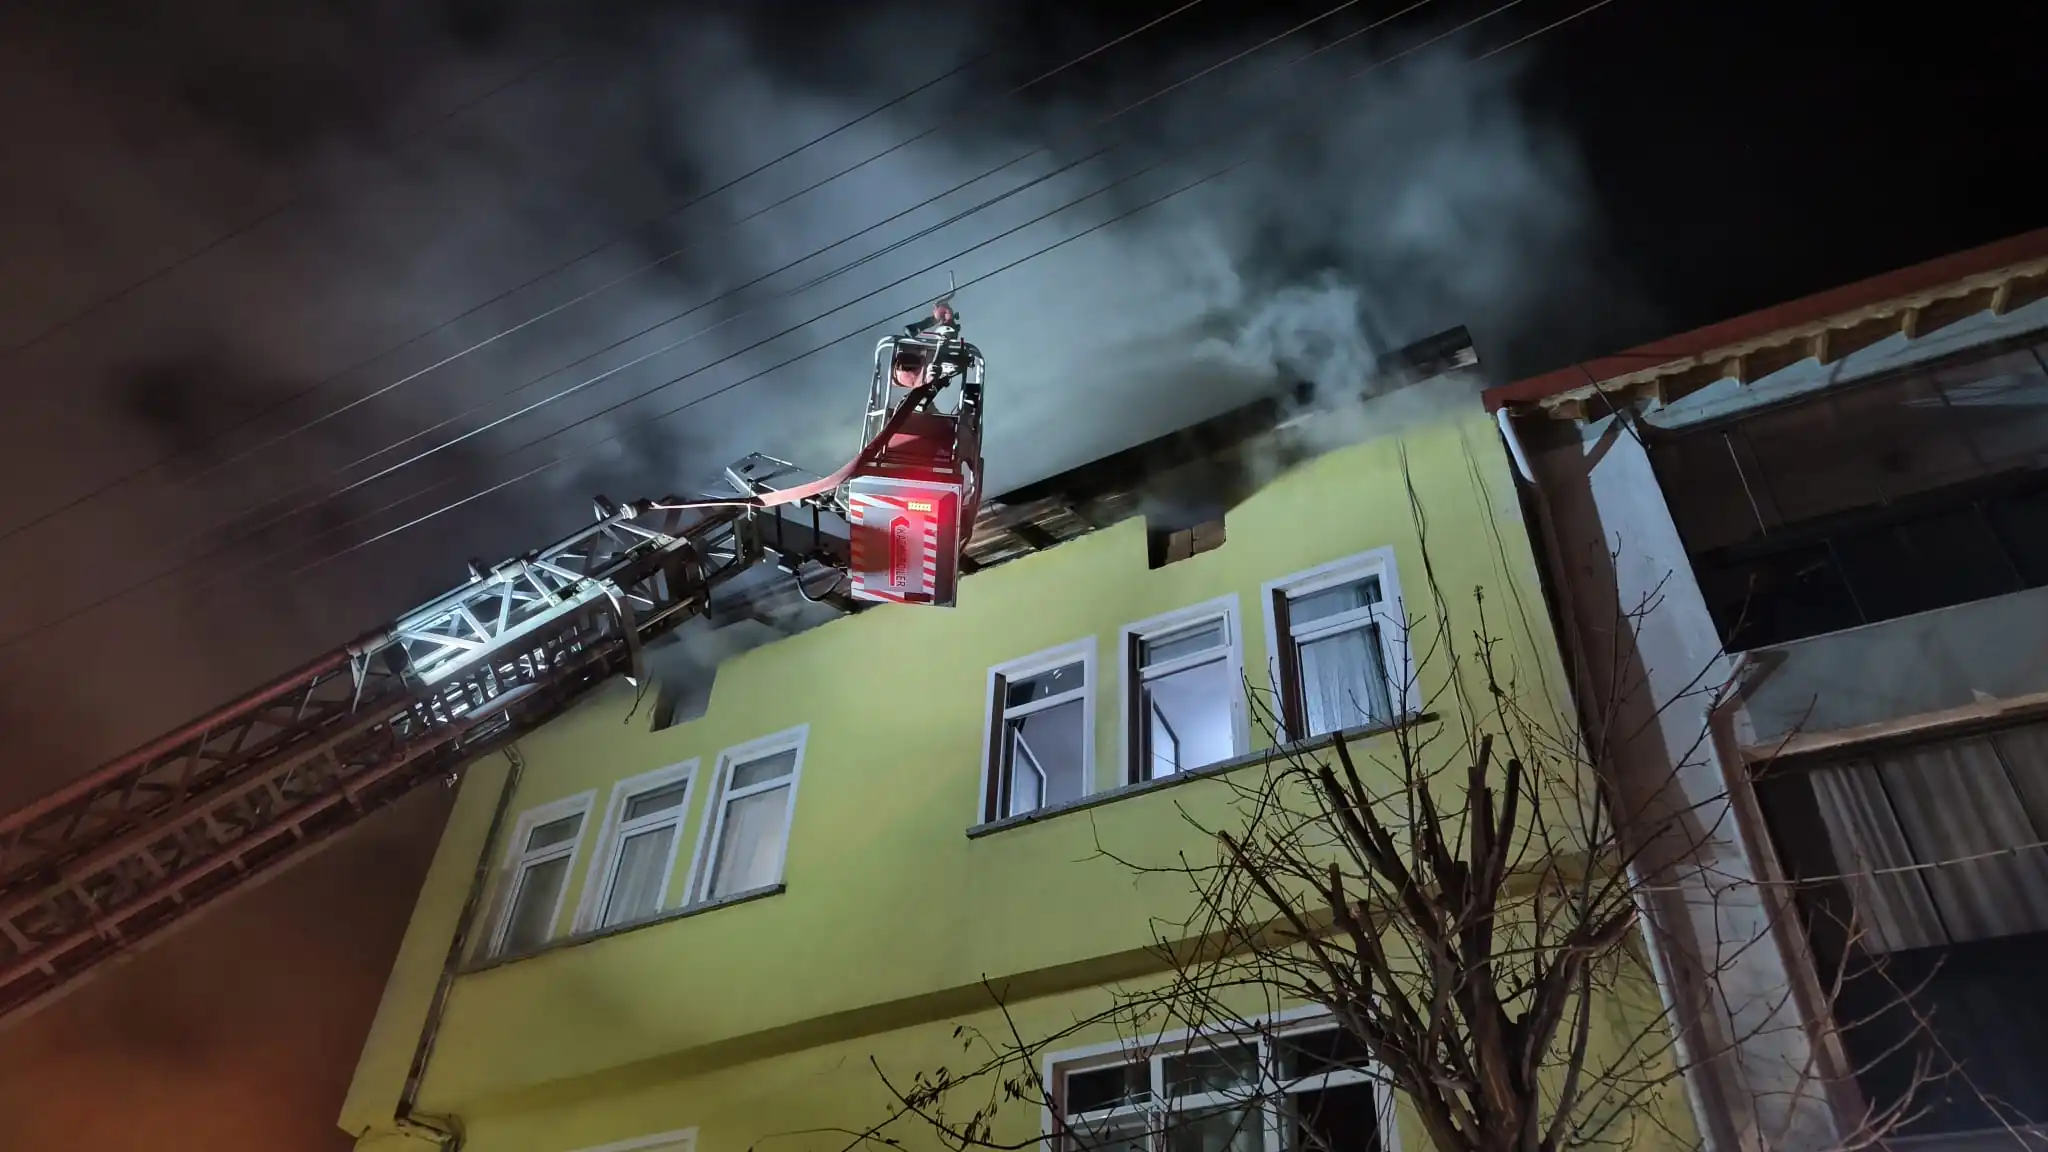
x,y
1220,768
585,937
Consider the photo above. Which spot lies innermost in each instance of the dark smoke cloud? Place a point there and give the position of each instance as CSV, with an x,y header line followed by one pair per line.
x,y
1421,198
1376,213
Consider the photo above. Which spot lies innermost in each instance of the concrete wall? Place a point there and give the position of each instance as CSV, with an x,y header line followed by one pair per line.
x,y
1650,672
1648,665
893,915
1952,657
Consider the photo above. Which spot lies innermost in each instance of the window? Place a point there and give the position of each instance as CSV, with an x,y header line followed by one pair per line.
x,y
542,855
749,820
1980,802
1920,875
643,828
1304,1090
1041,731
1339,653
1183,691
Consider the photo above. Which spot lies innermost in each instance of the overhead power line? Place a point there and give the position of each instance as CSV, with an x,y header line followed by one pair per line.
x,y
311,484
284,402
869,325
754,377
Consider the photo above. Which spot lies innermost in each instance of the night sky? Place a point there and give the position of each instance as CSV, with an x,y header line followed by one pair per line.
x,y
217,226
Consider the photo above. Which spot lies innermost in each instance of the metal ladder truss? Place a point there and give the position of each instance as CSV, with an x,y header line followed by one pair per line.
x,y
91,872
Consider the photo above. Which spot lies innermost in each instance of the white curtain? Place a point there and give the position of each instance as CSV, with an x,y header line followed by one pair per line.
x,y
1893,909
750,844
1344,682
636,882
1969,812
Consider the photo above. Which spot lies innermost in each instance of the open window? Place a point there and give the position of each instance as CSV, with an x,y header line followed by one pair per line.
x,y
540,859
1183,691
749,818
1339,646
1041,731
643,828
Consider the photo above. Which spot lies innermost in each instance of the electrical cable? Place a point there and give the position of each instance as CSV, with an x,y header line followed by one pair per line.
x,y
278,405
1127,213
314,482
290,202
336,554
253,417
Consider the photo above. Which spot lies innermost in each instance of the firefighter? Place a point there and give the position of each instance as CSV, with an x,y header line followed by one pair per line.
x,y
908,369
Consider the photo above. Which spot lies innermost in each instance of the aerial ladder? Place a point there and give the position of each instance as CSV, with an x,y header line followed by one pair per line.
x,y
99,868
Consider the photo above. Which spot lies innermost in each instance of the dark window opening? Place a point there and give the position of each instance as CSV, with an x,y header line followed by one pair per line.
x,y
1953,546
1919,491
1920,879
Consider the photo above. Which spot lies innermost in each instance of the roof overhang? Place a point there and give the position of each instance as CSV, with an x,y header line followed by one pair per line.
x,y
1996,279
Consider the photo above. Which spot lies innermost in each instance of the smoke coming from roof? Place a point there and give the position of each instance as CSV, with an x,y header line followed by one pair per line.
x,y
1371,212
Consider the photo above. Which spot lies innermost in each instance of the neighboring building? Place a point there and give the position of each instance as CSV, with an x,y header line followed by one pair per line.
x,y
1839,509
654,934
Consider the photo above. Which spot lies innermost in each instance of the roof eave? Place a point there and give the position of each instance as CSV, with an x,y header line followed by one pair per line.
x,y
1997,278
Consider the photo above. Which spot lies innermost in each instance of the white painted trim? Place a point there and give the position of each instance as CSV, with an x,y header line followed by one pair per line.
x,y
516,859
605,854
797,738
685,1138
1227,607
1044,660
1291,1021
1390,615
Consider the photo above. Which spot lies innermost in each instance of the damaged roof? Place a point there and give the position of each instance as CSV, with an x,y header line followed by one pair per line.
x,y
1112,488
1101,493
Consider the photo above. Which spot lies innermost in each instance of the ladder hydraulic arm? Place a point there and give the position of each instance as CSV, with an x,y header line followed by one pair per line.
x,y
89,873
95,870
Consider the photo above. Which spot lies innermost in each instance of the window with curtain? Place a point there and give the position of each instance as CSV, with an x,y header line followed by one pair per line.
x,y
1336,638
1039,746
539,875
1920,874
1941,843
643,852
1299,1091
751,830
1186,695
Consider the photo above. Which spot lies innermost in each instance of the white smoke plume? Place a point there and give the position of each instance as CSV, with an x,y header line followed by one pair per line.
x,y
1372,213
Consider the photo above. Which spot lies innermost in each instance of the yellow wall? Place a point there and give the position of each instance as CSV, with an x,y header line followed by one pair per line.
x,y
893,915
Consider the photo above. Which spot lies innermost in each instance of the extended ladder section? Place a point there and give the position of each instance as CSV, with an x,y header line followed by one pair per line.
x,y
92,871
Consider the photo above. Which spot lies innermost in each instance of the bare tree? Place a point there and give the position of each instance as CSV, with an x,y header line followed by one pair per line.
x,y
1452,891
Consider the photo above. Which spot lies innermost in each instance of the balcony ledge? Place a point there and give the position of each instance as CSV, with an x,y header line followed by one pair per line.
x,y
665,917
1220,768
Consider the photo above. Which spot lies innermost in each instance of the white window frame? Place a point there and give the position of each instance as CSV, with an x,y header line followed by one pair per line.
x,y
682,1138
517,860
1082,650
713,824
1402,691
1260,1030
1129,697
597,888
